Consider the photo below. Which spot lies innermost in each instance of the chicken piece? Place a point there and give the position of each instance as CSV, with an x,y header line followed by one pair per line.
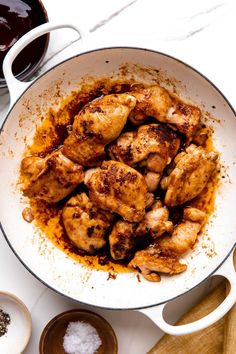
x,y
119,188
85,224
150,200
162,256
150,262
96,125
154,145
186,118
152,180
125,235
156,221
155,101
152,101
202,136
122,240
146,142
185,234
51,178
189,177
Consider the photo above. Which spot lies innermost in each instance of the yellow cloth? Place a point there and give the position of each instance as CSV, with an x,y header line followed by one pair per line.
x,y
220,338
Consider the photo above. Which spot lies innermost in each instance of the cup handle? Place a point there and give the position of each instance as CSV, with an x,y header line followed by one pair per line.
x,y
156,313
15,86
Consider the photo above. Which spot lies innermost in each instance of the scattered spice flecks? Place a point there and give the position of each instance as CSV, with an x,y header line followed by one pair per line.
x,y
111,276
5,320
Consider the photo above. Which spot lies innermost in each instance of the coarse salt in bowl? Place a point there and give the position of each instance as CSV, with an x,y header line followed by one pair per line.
x,y
81,335
59,335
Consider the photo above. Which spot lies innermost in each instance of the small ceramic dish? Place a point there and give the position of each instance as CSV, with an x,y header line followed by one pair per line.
x,y
15,340
19,17
51,341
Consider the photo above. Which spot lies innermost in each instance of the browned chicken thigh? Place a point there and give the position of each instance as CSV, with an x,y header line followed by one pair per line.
x,y
85,224
136,146
96,125
162,256
156,221
122,240
125,235
118,188
51,178
154,145
152,101
155,101
192,172
150,262
185,234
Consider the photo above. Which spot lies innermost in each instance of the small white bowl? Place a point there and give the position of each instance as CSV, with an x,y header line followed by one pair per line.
x,y
20,327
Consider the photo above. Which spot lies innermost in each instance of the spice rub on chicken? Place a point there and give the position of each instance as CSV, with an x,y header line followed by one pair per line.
x,y
156,221
125,236
119,188
193,170
153,145
86,225
51,178
162,256
122,240
96,125
130,184
155,101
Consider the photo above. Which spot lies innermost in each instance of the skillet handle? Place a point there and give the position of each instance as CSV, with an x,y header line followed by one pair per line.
x,y
16,87
156,313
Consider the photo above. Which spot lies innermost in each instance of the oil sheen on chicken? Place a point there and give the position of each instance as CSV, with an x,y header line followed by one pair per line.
x,y
192,172
86,225
51,178
96,125
155,101
163,255
120,189
154,145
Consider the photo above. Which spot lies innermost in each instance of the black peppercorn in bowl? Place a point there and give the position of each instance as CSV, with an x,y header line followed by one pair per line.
x,y
15,324
16,18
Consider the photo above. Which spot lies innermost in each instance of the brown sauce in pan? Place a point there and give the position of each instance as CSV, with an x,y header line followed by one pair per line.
x,y
50,135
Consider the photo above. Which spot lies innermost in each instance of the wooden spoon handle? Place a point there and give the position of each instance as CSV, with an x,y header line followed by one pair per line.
x,y
229,346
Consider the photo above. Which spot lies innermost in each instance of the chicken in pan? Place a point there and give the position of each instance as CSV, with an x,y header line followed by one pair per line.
x,y
130,161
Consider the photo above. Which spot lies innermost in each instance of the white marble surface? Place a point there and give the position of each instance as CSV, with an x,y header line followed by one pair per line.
x,y
201,33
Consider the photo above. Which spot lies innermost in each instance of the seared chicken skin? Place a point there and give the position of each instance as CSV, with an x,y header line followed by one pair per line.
x,y
125,235
51,178
192,172
136,146
85,224
154,145
162,256
150,262
118,188
122,240
185,234
155,101
96,125
156,221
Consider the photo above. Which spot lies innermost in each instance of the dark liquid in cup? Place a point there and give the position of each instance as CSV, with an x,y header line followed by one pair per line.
x,y
16,18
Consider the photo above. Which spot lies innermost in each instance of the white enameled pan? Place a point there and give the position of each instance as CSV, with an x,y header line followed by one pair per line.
x,y
213,252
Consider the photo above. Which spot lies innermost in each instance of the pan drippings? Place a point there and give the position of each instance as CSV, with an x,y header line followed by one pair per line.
x,y
144,177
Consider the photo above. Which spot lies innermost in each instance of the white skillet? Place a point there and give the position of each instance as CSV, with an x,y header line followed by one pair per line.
x,y
212,254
